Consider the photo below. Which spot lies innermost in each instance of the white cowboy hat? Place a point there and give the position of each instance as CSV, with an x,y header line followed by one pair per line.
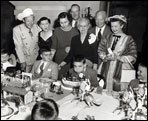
x,y
26,12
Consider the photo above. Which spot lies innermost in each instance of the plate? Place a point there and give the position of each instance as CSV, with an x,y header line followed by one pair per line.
x,y
11,110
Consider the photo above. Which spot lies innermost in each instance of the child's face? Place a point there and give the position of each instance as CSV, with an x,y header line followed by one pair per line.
x,y
4,58
46,56
79,67
142,73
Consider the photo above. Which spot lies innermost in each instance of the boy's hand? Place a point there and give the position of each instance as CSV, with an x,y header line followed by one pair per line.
x,y
23,66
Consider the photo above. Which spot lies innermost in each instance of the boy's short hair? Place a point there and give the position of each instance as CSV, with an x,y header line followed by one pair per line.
x,y
45,110
44,50
4,51
11,71
79,58
143,64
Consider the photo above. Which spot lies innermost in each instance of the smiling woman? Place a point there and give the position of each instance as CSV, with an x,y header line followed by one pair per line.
x,y
113,50
62,39
45,35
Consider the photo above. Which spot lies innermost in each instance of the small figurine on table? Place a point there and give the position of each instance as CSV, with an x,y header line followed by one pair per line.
x,y
55,87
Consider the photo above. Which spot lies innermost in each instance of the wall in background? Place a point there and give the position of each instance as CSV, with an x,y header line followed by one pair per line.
x,y
51,9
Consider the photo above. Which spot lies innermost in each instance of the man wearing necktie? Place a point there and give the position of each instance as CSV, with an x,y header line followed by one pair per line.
x,y
25,38
75,13
45,68
101,30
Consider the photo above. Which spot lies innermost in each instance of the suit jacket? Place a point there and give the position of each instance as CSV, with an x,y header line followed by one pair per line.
x,y
26,46
106,32
50,71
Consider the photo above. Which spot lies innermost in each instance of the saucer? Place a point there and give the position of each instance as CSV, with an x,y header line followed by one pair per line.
x,y
10,111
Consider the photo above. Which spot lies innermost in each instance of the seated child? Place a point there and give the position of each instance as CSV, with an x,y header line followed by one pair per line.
x,y
141,76
80,66
45,68
7,60
45,110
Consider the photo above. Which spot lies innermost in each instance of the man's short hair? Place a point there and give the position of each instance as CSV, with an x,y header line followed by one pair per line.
x,y
45,110
101,12
75,5
79,58
4,51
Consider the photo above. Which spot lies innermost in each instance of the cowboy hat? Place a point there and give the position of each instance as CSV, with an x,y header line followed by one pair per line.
x,y
26,12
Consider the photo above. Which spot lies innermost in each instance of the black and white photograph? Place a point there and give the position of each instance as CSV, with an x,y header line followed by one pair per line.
x,y
95,52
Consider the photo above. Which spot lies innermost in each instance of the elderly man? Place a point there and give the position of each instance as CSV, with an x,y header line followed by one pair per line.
x,y
25,38
101,30
75,12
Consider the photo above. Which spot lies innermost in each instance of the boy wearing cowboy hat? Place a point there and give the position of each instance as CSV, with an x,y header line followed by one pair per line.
x,y
25,38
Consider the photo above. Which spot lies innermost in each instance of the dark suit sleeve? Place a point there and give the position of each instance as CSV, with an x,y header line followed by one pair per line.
x,y
95,52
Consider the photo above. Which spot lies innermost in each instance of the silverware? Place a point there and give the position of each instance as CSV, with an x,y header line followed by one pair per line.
x,y
13,114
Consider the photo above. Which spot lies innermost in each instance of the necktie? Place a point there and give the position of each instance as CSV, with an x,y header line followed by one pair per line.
x,y
42,66
115,42
99,35
30,32
39,74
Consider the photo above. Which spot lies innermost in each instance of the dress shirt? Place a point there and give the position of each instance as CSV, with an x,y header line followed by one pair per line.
x,y
98,29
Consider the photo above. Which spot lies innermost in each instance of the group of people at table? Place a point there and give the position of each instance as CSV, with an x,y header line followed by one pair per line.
x,y
75,47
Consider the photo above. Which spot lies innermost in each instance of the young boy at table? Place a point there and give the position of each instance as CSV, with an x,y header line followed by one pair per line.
x,y
80,66
45,68
7,60
141,76
45,110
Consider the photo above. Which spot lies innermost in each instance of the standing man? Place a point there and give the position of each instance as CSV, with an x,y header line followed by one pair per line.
x,y
25,38
101,30
75,13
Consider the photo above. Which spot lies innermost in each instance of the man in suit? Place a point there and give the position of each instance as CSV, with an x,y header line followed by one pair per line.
x,y
101,30
25,38
45,68
75,13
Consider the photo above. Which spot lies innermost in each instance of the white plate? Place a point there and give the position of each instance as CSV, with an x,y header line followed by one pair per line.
x,y
11,110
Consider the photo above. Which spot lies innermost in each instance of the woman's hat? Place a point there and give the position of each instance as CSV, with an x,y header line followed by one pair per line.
x,y
120,17
27,12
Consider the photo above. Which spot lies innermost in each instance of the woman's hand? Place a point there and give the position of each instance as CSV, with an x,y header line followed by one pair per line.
x,y
61,64
112,57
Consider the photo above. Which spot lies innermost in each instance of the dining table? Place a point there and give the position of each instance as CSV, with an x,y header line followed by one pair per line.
x,y
69,107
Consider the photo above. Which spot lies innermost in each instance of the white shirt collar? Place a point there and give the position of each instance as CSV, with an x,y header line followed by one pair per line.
x,y
98,29
73,23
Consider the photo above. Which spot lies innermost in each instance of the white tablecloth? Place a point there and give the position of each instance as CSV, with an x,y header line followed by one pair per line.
x,y
68,109
103,112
